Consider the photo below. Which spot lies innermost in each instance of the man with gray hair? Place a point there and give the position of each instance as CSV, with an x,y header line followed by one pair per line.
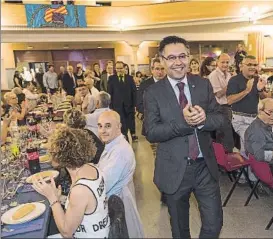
x,y
103,100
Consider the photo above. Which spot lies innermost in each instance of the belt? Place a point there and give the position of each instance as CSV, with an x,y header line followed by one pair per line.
x,y
244,114
192,161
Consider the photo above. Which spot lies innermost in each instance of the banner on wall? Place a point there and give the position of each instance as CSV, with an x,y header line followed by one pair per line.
x,y
55,16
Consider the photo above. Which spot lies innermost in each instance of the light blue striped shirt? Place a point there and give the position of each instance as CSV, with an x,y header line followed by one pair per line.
x,y
117,162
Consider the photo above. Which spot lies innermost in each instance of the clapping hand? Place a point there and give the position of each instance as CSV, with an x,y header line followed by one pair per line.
x,y
194,115
261,84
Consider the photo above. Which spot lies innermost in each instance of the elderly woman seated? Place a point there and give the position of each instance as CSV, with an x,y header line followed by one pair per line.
x,y
12,106
20,95
86,214
76,119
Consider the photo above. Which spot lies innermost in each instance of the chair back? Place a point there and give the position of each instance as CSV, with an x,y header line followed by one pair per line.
x,y
118,226
261,170
220,154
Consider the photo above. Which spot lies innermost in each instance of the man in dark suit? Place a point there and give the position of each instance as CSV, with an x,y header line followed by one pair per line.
x,y
158,73
105,77
122,89
69,81
180,112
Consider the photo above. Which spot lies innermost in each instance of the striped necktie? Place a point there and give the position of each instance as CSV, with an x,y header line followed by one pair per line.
x,y
193,144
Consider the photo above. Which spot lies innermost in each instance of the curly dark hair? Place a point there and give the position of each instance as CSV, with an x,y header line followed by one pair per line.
x,y
71,148
74,118
203,69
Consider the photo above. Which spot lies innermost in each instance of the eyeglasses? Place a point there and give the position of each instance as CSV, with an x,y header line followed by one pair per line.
x,y
159,69
251,65
182,57
269,113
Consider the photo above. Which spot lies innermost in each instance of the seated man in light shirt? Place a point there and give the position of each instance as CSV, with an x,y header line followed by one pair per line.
x,y
89,82
118,164
31,97
103,100
259,136
84,98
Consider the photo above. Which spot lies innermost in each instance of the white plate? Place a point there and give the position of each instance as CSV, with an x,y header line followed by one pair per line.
x,y
55,174
38,211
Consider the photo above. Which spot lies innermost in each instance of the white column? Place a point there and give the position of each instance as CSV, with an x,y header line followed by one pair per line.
x,y
135,49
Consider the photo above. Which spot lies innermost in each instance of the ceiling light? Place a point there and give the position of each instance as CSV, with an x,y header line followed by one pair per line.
x,y
99,47
218,52
65,47
29,47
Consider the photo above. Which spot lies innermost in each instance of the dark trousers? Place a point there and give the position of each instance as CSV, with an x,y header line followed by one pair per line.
x,y
224,135
197,179
124,122
131,123
53,91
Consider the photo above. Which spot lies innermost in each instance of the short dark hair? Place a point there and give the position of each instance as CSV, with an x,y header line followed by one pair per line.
x,y
155,60
82,85
96,64
172,40
120,62
50,65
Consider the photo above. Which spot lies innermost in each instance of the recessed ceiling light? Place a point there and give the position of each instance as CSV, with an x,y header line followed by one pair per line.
x,y
99,47
29,47
65,47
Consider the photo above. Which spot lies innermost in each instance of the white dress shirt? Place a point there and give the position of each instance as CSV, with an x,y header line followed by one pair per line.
x,y
188,96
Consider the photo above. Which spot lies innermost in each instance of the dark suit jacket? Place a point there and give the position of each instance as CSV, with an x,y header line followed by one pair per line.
x,y
143,86
103,82
68,84
165,124
123,94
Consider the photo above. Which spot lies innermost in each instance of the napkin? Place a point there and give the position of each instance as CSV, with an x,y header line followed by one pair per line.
x,y
25,189
34,225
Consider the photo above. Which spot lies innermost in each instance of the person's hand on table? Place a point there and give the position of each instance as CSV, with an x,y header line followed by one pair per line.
x,y
49,190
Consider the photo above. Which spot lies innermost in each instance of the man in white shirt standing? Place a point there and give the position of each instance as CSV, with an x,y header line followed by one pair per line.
x,y
89,82
219,79
103,100
50,80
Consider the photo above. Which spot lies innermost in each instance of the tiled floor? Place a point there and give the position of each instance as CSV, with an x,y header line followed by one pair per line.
x,y
239,221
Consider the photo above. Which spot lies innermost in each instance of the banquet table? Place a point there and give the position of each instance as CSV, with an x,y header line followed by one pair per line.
x,y
34,197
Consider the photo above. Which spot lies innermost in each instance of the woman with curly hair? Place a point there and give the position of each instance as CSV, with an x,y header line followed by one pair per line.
x,y
86,214
76,119
208,66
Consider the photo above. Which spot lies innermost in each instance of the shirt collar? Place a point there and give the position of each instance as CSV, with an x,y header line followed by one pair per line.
x,y
264,125
155,80
222,73
101,110
174,82
114,142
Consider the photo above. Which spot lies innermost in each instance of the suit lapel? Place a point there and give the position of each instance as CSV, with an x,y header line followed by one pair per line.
x,y
171,97
192,87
